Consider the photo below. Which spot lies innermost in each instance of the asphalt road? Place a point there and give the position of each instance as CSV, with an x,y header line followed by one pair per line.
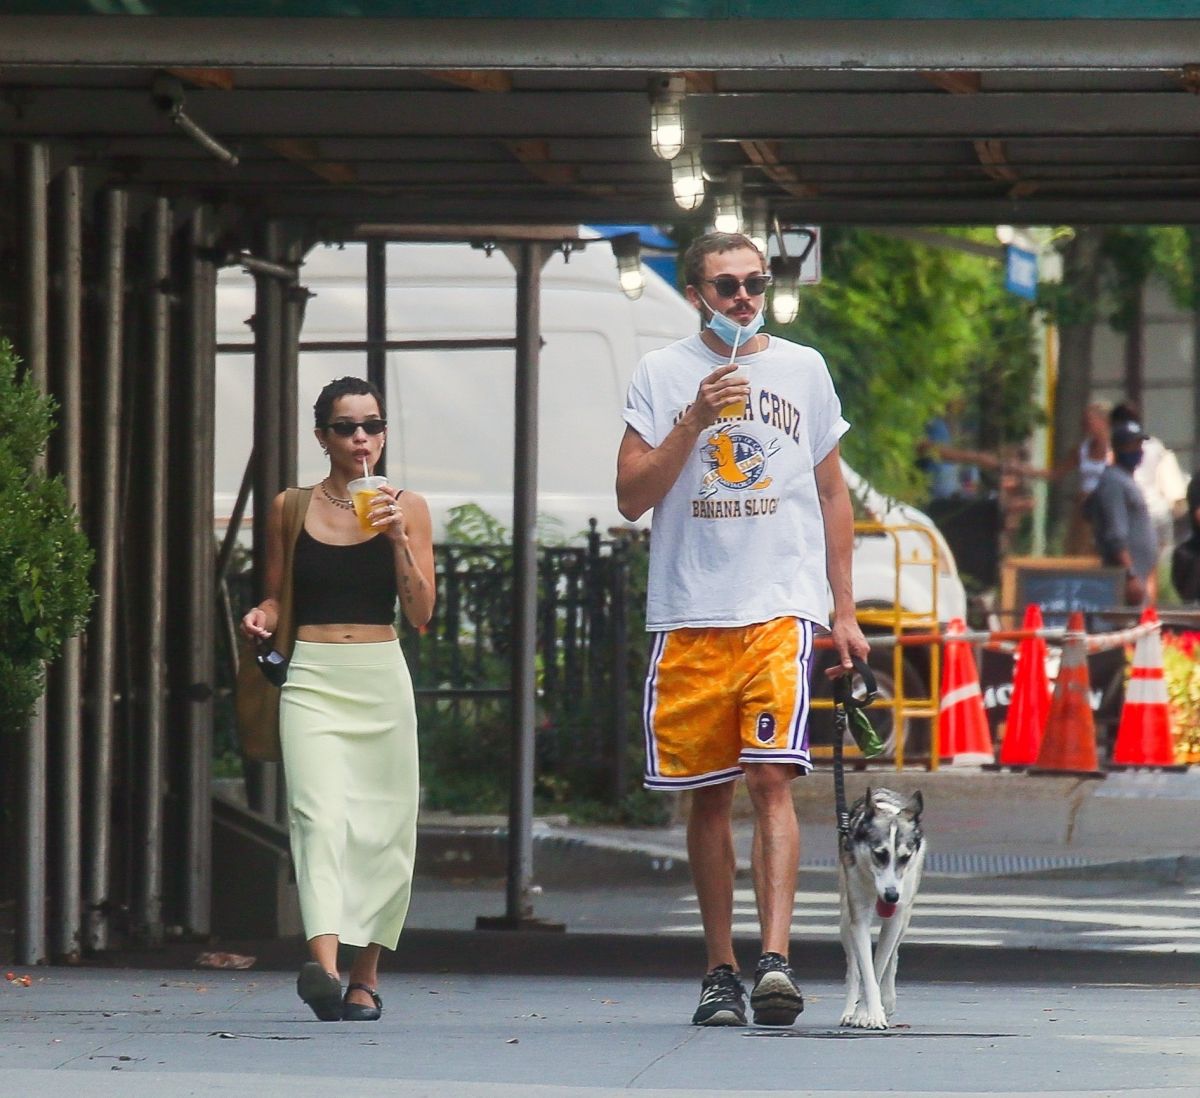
x,y
133,1033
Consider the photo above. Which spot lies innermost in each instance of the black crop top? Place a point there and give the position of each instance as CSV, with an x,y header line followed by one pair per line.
x,y
343,584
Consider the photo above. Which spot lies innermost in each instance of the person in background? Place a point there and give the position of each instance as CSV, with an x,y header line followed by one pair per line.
x,y
1121,523
952,471
1087,463
1185,560
1160,479
1093,458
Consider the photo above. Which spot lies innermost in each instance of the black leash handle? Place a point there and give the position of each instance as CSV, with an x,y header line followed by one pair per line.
x,y
846,697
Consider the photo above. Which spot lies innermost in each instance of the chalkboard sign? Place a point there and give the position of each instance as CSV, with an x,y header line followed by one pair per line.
x,y
1060,585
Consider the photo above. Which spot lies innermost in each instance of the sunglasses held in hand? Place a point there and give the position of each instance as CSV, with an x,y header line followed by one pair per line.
x,y
343,428
728,286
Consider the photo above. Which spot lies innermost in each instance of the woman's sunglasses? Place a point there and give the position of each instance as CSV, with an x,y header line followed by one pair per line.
x,y
728,286
343,428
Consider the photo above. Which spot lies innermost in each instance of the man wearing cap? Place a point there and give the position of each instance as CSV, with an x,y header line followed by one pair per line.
x,y
1121,520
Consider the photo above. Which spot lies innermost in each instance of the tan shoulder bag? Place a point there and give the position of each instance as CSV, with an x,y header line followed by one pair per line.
x,y
257,700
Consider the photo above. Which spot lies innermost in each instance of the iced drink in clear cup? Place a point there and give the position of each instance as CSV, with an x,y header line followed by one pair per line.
x,y
736,410
363,491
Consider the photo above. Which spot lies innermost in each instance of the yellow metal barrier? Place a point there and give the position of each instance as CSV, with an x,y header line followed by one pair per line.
x,y
895,621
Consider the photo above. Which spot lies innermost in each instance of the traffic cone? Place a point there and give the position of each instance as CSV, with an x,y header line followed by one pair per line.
x,y
1070,740
962,722
1144,734
1030,705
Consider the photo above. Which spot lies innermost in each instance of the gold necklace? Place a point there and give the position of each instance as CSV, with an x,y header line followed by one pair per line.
x,y
337,501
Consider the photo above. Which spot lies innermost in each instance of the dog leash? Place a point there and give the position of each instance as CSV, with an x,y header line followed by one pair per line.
x,y
845,698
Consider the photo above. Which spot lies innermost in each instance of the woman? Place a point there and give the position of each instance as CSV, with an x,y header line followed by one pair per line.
x,y
1094,455
347,717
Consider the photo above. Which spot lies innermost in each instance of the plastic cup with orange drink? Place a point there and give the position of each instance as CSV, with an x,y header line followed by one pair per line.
x,y
363,491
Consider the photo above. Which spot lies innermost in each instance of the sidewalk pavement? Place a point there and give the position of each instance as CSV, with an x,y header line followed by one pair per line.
x,y
601,1009
133,1034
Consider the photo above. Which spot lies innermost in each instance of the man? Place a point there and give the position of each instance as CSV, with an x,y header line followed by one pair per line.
x,y
1121,522
1185,559
732,437
1159,477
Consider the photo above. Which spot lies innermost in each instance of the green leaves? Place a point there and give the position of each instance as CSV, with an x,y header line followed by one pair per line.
x,y
907,329
44,557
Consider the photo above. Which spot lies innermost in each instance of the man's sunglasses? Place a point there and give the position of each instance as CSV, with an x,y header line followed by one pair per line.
x,y
343,428
728,286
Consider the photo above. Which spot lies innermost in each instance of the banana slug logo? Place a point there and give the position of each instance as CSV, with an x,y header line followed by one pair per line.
x,y
735,460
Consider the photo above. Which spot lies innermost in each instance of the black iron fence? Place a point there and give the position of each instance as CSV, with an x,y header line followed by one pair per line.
x,y
460,663
590,652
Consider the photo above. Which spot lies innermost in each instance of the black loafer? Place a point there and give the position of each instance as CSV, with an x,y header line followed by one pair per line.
x,y
356,1012
321,990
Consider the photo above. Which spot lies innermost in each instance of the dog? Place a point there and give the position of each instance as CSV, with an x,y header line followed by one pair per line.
x,y
881,858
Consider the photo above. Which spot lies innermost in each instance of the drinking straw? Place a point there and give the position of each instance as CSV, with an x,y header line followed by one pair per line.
x,y
365,473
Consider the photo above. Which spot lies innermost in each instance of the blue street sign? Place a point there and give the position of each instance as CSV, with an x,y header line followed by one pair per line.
x,y
1021,272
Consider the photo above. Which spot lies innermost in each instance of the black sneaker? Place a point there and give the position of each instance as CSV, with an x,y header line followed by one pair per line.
x,y
722,999
776,997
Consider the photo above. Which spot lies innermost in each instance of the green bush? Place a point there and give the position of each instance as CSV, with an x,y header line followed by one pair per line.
x,y
44,557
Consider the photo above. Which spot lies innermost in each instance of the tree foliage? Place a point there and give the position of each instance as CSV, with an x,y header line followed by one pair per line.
x,y
44,556
907,329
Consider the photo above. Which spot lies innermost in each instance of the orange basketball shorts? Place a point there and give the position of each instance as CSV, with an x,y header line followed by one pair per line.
x,y
717,699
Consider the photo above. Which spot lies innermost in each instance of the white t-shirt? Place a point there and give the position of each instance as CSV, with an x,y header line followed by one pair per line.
x,y
739,538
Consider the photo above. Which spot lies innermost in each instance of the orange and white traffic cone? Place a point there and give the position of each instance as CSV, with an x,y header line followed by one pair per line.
x,y
966,739
1069,744
1144,734
1030,705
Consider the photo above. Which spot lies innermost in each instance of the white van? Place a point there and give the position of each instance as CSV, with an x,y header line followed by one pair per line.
x,y
451,413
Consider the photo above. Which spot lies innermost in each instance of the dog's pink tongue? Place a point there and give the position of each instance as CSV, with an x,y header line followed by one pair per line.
x,y
884,909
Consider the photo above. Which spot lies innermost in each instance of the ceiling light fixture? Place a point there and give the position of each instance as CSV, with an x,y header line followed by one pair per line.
x,y
666,115
785,271
687,178
628,250
728,216
785,288
757,222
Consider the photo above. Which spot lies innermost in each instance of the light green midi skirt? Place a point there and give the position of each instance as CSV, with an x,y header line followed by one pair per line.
x,y
348,725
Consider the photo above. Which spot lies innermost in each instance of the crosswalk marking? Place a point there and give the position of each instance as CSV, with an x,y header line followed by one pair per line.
x,y
1154,924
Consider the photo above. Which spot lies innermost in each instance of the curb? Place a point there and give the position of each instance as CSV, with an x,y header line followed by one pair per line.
x,y
458,853
575,859
538,953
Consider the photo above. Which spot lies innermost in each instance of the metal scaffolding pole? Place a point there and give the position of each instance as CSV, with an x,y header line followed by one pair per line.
x,y
158,226
34,163
200,309
262,787
102,646
529,258
377,325
67,696
294,299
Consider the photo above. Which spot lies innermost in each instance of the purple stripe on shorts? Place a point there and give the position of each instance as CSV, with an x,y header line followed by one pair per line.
x,y
798,728
650,700
716,777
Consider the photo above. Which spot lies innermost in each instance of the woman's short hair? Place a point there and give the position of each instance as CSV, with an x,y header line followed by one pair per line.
x,y
713,244
338,388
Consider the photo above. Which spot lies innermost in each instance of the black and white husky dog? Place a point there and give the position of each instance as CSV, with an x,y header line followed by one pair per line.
x,y
880,870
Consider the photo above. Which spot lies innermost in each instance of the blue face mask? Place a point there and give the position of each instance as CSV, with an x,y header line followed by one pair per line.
x,y
1129,460
730,331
